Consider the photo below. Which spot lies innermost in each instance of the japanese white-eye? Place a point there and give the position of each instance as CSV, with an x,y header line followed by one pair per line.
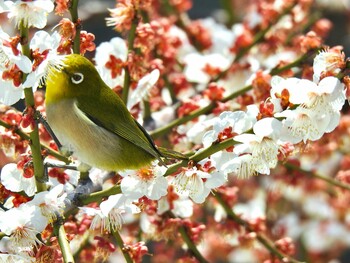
x,y
92,121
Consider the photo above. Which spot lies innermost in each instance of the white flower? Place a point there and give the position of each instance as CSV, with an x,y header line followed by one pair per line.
x,y
148,182
50,202
236,122
197,184
22,224
195,66
221,158
302,125
114,49
242,166
119,201
221,37
327,62
30,13
109,216
198,129
42,42
13,258
12,178
327,97
8,56
181,207
9,93
143,87
258,152
297,88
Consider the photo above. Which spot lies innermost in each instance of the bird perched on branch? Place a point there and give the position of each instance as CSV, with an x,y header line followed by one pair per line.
x,y
92,122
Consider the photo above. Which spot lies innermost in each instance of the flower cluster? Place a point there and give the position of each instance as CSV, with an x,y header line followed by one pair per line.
x,y
253,116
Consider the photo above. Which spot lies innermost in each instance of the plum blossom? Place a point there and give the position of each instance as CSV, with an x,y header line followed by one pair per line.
x,y
14,180
182,206
30,13
328,62
257,152
13,258
50,202
121,16
148,182
22,224
108,217
301,125
319,110
198,66
10,54
110,58
227,125
326,97
12,65
44,47
143,87
197,184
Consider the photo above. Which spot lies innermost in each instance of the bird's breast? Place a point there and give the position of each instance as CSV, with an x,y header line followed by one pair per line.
x,y
89,142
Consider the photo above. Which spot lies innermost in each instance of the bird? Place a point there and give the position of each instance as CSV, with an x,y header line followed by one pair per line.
x,y
91,121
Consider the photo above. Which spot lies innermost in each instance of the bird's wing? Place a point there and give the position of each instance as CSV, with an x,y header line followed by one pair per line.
x,y
112,115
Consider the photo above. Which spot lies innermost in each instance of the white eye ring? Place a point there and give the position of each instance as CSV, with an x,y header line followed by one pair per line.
x,y
77,78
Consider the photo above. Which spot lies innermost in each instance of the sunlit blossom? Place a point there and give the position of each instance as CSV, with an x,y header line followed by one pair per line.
x,y
148,181
30,13
23,224
302,125
257,152
182,207
45,47
12,64
121,16
197,184
326,97
50,202
13,179
110,58
328,62
198,66
227,125
108,217
143,88
13,258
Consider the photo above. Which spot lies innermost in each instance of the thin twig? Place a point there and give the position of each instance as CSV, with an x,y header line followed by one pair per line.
x,y
191,246
327,179
62,241
131,40
39,171
73,9
121,245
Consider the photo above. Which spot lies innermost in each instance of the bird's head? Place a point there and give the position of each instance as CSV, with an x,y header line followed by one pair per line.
x,y
73,76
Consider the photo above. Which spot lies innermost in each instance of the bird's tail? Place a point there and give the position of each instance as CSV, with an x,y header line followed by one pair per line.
x,y
171,154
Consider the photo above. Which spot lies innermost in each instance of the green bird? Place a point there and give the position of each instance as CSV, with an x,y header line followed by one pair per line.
x,y
91,121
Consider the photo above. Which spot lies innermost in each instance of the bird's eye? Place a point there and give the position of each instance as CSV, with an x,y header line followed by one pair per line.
x,y
77,78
